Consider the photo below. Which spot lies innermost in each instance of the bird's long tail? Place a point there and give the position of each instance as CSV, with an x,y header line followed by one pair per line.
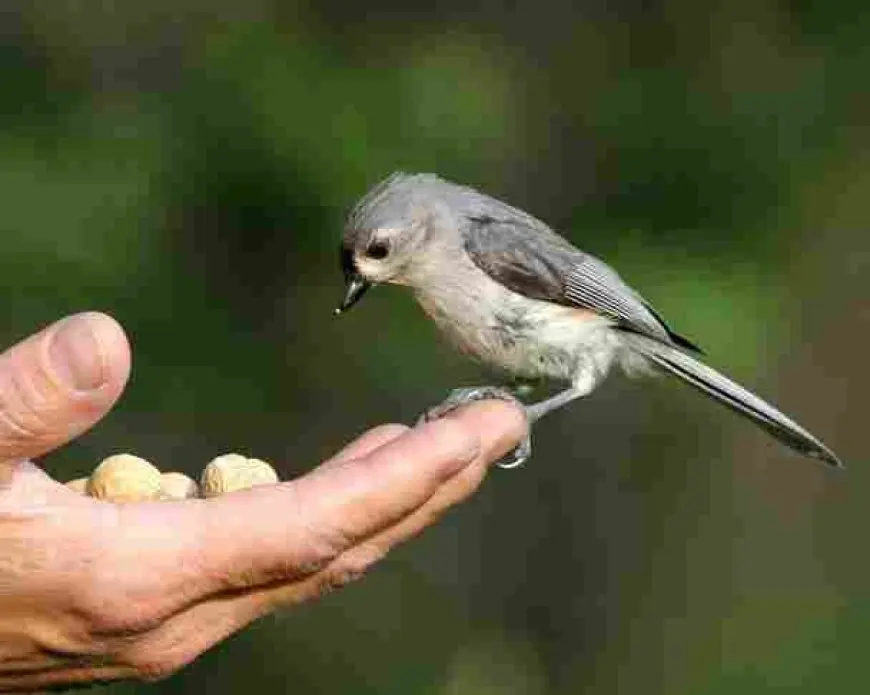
x,y
720,387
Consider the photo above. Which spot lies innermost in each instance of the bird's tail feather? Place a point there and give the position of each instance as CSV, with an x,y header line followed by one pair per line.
x,y
720,387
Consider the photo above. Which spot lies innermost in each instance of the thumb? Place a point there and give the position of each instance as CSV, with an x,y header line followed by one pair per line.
x,y
56,384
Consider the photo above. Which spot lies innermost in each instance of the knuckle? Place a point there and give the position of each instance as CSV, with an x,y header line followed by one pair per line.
x,y
169,649
110,597
321,543
107,612
244,577
152,665
72,568
349,568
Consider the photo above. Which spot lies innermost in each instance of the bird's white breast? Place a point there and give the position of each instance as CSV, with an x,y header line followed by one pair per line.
x,y
526,337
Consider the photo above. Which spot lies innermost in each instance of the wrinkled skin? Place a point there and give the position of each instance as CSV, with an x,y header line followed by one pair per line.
x,y
91,590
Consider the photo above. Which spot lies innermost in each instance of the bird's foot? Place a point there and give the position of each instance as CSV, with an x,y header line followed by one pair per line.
x,y
460,397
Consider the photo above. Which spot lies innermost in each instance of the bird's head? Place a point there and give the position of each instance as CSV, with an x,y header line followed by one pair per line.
x,y
385,232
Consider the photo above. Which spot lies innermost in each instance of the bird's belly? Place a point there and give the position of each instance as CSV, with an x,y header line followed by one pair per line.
x,y
529,338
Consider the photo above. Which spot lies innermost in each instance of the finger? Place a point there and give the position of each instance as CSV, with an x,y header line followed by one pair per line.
x,y
59,382
280,532
354,562
454,491
180,553
366,443
188,633
181,638
72,676
25,485
34,669
33,682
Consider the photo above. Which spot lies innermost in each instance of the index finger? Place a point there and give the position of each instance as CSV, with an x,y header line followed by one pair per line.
x,y
366,443
281,532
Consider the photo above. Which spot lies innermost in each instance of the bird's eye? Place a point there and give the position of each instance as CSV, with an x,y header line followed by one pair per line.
x,y
377,250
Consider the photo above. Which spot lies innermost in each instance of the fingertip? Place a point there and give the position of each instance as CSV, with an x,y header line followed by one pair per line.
x,y
451,440
116,346
113,344
87,352
499,425
57,383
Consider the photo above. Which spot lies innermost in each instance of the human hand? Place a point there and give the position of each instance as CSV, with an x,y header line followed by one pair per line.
x,y
91,590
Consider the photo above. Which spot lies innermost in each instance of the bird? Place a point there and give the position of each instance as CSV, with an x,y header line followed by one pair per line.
x,y
512,293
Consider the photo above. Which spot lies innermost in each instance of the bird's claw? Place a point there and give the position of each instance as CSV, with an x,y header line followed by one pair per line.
x,y
460,397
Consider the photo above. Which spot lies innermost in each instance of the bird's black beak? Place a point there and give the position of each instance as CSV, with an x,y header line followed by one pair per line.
x,y
356,288
356,285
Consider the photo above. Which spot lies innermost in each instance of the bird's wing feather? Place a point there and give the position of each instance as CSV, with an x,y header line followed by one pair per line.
x,y
527,257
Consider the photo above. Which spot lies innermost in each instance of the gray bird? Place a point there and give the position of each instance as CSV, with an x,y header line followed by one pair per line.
x,y
513,293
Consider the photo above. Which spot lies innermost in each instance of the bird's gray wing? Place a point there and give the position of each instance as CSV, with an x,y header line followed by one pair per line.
x,y
526,256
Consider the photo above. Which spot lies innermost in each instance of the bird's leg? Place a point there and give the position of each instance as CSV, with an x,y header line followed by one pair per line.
x,y
534,412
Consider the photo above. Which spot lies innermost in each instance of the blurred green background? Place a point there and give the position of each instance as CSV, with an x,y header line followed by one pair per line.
x,y
186,166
